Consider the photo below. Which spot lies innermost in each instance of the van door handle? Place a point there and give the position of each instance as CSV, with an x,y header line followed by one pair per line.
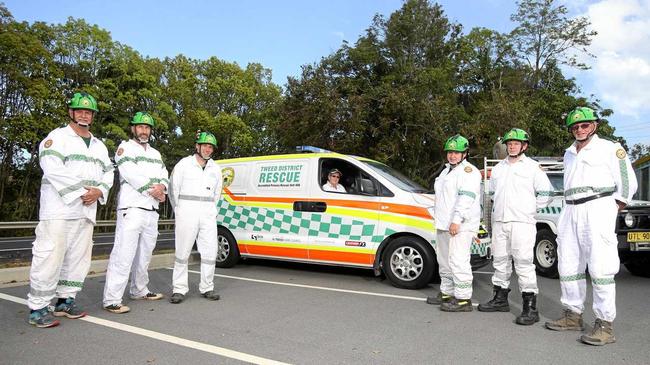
x,y
303,206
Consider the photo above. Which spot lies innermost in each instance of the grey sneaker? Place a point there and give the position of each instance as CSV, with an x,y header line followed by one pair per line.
x,y
42,318
117,308
68,309
176,298
211,295
148,296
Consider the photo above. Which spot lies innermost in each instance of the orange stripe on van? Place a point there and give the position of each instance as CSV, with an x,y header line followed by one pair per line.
x,y
348,257
296,253
389,207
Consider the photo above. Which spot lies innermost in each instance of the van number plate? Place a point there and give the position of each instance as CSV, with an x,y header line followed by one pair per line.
x,y
638,236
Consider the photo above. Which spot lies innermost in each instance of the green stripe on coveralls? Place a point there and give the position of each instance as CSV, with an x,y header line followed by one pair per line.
x,y
140,159
602,281
152,181
624,178
79,185
105,168
76,284
463,285
467,193
575,277
586,189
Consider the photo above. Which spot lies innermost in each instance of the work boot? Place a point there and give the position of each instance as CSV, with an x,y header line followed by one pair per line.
x,y
570,321
68,308
457,305
117,308
602,334
497,304
529,313
42,318
176,298
439,299
211,295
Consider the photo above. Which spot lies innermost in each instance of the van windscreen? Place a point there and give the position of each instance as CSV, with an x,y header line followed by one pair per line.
x,y
395,177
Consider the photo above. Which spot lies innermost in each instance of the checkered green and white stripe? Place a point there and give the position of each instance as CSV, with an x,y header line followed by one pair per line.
x,y
259,219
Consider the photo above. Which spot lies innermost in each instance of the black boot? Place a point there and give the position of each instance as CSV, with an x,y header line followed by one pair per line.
x,y
529,314
499,303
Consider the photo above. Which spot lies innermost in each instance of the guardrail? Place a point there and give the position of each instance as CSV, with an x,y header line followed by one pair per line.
x,y
25,225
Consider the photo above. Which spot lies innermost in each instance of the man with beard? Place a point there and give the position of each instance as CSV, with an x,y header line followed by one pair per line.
x,y
143,184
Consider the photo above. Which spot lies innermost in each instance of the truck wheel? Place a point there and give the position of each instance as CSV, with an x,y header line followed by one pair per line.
x,y
639,265
545,254
409,262
228,252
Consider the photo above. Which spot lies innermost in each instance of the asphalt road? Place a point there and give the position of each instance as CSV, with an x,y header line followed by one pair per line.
x,y
304,314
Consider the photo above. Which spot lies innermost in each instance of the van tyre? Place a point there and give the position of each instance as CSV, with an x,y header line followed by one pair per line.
x,y
409,262
639,265
545,254
228,253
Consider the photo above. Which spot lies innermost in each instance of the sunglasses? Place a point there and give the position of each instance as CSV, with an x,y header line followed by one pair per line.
x,y
336,176
575,127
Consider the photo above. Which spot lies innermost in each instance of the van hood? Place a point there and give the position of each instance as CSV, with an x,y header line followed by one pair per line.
x,y
428,200
639,203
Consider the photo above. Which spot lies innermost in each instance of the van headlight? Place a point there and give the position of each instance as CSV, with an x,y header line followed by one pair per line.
x,y
629,220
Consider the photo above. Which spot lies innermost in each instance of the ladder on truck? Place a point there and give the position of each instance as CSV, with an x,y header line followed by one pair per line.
x,y
546,163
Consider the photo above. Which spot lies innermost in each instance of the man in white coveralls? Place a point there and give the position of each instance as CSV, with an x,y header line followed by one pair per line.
x,y
598,182
195,189
77,174
143,185
518,187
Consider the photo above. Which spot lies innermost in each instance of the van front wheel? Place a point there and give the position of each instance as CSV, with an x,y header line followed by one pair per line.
x,y
408,262
228,252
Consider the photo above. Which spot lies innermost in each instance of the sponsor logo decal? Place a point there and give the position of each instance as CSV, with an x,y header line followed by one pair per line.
x,y
355,243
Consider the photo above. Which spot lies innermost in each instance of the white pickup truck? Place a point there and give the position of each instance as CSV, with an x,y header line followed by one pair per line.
x,y
632,226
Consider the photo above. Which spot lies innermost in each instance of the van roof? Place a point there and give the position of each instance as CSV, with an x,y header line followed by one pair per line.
x,y
291,156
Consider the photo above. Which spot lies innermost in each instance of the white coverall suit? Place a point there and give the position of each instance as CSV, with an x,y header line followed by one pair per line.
x,y
587,236
457,201
63,246
194,192
518,190
137,220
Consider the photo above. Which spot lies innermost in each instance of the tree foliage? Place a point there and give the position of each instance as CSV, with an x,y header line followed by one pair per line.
x,y
413,79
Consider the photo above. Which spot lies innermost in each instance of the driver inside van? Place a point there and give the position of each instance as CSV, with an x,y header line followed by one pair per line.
x,y
333,179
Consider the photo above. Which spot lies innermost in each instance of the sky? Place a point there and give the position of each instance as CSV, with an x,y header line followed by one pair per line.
x,y
283,35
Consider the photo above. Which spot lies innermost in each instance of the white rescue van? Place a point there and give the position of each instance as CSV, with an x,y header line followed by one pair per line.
x,y
275,207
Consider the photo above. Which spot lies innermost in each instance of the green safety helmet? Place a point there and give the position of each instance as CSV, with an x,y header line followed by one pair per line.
x,y
83,100
457,143
581,114
143,118
206,137
516,134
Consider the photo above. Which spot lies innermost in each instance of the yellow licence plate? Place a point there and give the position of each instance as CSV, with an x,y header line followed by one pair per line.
x,y
638,236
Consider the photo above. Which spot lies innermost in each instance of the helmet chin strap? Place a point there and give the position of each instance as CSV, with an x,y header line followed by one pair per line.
x,y
521,152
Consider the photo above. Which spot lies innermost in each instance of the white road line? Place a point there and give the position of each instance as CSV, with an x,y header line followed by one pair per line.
x,y
166,338
314,287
